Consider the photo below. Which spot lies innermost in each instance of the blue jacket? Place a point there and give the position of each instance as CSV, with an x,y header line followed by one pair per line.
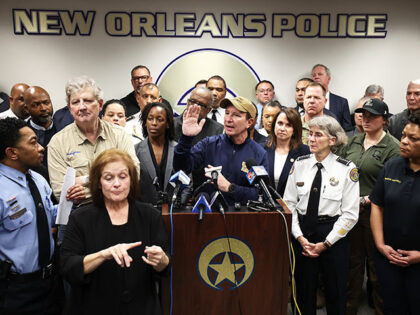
x,y
340,107
221,151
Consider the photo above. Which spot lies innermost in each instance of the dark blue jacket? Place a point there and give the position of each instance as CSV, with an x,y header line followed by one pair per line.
x,y
340,107
221,151
291,157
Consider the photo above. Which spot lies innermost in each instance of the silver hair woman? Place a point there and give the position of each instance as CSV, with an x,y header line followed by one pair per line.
x,y
322,193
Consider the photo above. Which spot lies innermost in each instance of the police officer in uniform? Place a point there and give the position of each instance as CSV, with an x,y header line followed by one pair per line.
x,y
395,221
369,151
322,192
26,215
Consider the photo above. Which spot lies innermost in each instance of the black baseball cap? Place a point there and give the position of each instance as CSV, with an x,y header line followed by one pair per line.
x,y
374,106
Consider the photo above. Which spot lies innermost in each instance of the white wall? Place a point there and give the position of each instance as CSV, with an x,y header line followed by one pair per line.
x,y
49,61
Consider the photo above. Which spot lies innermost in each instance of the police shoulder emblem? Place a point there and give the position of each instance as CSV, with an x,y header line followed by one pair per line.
x,y
354,175
244,168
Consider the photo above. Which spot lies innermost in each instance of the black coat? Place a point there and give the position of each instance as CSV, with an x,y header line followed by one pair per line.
x,y
101,292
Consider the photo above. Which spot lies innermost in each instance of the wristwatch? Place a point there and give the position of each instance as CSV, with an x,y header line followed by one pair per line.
x,y
232,188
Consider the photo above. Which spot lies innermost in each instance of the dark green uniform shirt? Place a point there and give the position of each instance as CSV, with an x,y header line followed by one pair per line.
x,y
370,162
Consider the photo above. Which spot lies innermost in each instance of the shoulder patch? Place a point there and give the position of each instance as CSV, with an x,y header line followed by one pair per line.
x,y
354,175
303,157
343,161
292,169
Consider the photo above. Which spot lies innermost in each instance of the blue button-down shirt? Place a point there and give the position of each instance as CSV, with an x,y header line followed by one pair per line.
x,y
18,228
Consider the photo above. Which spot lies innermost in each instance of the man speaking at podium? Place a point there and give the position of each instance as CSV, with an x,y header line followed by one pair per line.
x,y
230,150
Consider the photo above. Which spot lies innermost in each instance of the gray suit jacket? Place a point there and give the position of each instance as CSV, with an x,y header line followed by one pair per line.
x,y
148,192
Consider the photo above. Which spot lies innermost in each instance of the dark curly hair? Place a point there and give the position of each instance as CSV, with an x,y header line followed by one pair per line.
x,y
414,118
9,133
170,131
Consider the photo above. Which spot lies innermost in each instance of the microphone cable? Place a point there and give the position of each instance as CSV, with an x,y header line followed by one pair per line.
x,y
172,253
292,261
234,265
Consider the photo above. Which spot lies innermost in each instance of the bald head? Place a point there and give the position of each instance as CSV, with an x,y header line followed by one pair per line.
x,y
39,105
203,97
17,105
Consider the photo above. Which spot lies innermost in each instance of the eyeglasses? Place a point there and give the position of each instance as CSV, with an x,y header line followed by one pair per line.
x,y
141,78
193,101
266,90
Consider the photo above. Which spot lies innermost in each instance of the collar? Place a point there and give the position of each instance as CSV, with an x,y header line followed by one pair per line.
x,y
38,127
83,138
229,140
327,163
13,174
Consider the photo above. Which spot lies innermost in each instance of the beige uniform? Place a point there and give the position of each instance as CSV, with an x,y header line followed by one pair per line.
x,y
71,148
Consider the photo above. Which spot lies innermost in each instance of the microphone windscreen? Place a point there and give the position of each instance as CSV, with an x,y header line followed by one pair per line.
x,y
250,163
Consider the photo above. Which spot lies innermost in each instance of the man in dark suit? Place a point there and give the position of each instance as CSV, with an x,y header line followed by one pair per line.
x,y
4,102
337,104
202,97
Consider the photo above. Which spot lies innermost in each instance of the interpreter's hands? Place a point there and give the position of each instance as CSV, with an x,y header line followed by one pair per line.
x,y
155,257
190,125
76,193
119,253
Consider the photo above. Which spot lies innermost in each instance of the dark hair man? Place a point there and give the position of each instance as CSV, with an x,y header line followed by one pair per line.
x,y
17,105
300,93
217,86
26,215
336,104
264,93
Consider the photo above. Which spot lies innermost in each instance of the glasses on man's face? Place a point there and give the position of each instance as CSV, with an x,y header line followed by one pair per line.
x,y
265,91
195,102
141,78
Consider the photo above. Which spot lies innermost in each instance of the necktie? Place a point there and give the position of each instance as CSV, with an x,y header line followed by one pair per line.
x,y
41,224
313,203
213,116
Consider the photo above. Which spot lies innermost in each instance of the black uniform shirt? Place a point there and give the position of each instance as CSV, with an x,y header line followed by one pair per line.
x,y
397,191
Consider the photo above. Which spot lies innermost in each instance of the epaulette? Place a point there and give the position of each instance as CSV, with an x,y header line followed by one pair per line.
x,y
303,157
130,118
343,161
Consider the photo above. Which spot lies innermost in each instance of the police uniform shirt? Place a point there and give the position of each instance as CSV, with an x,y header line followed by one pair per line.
x,y
18,227
220,114
134,128
397,191
339,193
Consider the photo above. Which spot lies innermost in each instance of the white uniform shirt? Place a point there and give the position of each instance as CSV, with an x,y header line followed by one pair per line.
x,y
220,115
339,193
134,128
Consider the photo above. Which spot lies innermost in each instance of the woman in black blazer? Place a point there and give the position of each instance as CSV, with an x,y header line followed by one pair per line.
x,y
284,147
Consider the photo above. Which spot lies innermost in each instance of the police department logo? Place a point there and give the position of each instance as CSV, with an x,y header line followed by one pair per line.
x,y
178,78
221,268
354,175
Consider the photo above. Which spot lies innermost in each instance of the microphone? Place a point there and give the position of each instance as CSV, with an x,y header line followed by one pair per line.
x,y
218,202
258,173
213,172
179,180
201,206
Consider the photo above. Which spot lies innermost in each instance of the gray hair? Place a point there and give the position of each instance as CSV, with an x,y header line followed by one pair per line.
x,y
416,82
327,70
332,128
374,89
74,85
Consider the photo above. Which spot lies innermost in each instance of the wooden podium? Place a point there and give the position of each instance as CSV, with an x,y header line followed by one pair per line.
x,y
208,278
